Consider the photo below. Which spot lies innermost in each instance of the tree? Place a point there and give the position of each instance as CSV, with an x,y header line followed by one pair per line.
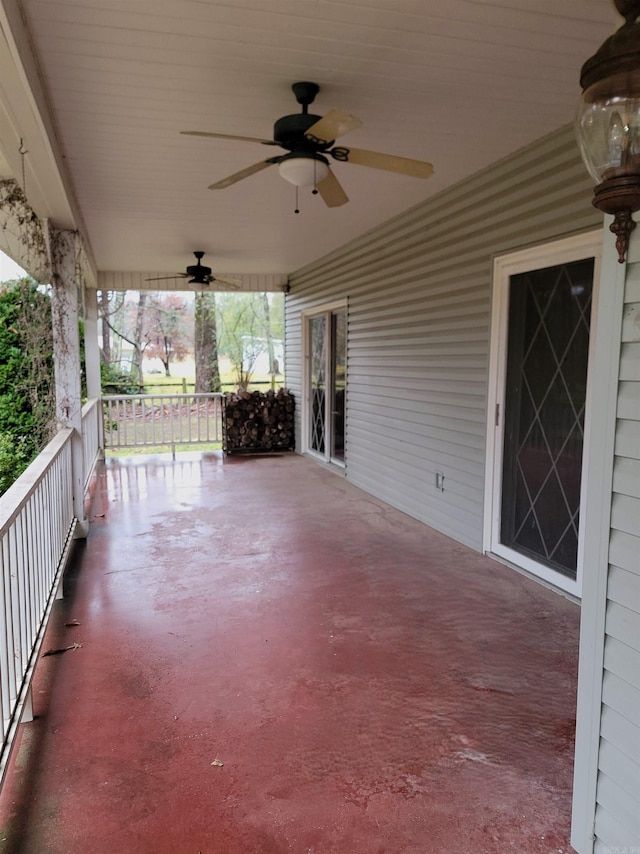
x,y
140,340
114,323
166,329
27,384
103,306
124,322
247,331
266,308
206,343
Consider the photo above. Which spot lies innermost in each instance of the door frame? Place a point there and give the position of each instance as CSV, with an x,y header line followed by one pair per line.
x,y
327,309
566,250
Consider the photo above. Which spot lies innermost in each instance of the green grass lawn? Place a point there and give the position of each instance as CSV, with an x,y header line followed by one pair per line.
x,y
157,383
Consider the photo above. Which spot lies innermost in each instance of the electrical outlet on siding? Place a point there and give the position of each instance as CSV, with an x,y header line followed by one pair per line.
x,y
439,481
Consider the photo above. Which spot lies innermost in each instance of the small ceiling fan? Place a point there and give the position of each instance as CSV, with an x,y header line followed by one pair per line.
x,y
309,142
197,274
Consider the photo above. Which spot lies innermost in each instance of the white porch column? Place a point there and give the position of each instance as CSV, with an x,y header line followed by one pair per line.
x,y
66,351
92,357
91,348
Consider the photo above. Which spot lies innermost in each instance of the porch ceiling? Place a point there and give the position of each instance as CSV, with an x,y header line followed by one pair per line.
x,y
460,84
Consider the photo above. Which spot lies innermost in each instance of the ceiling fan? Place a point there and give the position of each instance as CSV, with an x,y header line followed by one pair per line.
x,y
309,141
197,274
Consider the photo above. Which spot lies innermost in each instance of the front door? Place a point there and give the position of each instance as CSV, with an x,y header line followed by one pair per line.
x,y
540,406
327,359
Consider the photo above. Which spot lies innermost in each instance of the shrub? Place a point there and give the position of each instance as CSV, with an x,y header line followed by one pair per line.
x,y
116,381
27,389
13,461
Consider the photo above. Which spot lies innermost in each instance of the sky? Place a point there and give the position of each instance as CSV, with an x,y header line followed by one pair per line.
x,y
9,269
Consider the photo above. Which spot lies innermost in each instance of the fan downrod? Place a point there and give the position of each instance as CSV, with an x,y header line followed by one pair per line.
x,y
305,93
200,273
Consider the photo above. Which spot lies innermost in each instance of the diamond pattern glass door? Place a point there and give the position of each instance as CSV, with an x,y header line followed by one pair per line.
x,y
338,382
548,345
318,382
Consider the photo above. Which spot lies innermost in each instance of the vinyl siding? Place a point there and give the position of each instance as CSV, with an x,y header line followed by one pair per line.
x,y
617,816
419,293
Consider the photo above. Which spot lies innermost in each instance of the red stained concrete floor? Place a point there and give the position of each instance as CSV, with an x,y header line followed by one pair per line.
x,y
370,686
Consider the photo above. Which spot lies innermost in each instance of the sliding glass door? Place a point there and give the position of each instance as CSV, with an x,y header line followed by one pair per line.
x,y
327,359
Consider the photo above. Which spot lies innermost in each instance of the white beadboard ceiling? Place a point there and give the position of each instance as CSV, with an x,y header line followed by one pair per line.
x,y
460,83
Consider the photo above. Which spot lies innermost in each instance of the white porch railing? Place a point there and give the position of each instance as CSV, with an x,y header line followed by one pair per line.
x,y
36,526
92,439
162,420
37,523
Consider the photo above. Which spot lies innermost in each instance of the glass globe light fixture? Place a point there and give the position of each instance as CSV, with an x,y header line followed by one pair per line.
x,y
303,168
608,123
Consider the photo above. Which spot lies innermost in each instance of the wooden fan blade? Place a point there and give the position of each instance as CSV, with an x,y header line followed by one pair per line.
x,y
403,165
331,191
238,176
336,123
166,278
227,136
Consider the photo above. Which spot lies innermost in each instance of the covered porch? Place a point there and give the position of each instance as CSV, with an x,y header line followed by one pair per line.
x,y
264,658
272,660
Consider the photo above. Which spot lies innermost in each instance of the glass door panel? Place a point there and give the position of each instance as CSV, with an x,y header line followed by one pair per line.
x,y
338,382
318,382
327,360
546,379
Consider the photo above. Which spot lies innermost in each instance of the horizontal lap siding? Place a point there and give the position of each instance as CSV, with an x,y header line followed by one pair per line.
x,y
618,792
419,295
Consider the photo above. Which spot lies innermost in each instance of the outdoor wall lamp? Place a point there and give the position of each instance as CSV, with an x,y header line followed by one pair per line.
x,y
608,123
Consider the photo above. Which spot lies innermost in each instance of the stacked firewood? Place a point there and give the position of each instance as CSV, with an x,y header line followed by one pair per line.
x,y
259,421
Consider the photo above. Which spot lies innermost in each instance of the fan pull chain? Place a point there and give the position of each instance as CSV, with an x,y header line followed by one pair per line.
x,y
314,192
297,210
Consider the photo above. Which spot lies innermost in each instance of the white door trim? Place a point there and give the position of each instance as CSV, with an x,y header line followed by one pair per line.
x,y
588,245
305,316
597,515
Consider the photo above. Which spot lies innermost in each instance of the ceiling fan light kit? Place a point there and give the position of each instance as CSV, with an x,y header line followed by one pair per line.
x,y
608,123
309,142
304,169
